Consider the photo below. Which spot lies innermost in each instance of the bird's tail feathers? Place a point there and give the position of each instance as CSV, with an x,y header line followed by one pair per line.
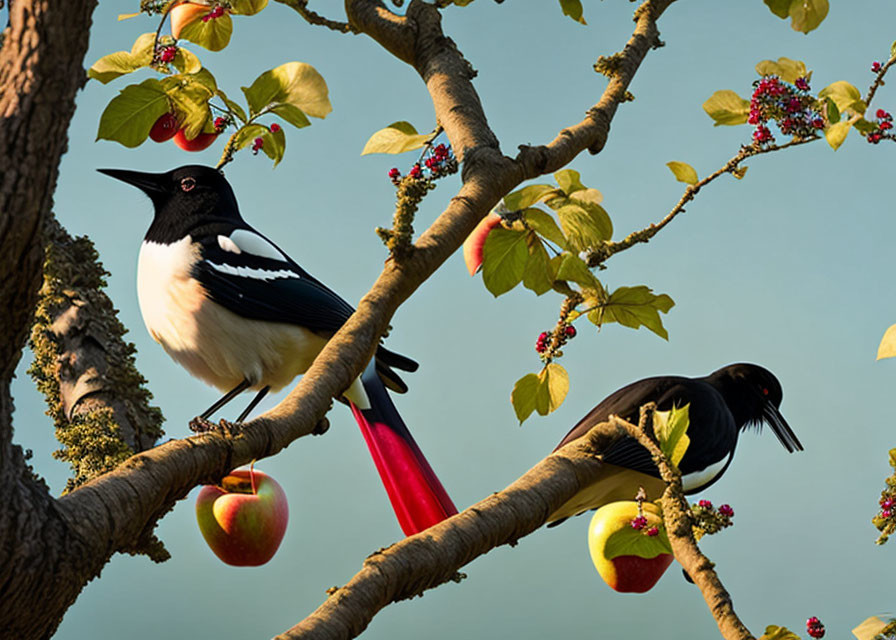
x,y
417,496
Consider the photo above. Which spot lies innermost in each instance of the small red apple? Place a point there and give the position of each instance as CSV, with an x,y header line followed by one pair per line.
x,y
202,141
164,128
244,518
184,13
629,560
476,241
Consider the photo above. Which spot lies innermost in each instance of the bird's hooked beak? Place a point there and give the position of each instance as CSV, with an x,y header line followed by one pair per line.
x,y
151,184
782,430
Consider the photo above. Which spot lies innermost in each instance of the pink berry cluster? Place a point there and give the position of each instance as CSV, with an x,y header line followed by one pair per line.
x,y
438,163
546,338
166,53
710,520
639,523
876,66
790,106
887,504
814,627
221,123
216,12
257,144
884,125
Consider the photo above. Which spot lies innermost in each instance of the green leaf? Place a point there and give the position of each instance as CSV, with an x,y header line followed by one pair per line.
x,y
806,15
845,96
727,108
887,347
212,34
568,180
544,224
774,632
585,225
233,106
130,115
632,542
836,133
572,268
893,458
247,7
863,126
398,137
527,196
870,628
504,258
273,144
670,428
186,61
292,114
683,172
543,392
295,83
573,9
205,78
780,8
538,275
120,63
833,112
590,199
127,16
190,99
634,307
785,68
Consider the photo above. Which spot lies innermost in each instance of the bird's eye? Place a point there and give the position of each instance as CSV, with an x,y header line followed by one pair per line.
x,y
765,391
187,184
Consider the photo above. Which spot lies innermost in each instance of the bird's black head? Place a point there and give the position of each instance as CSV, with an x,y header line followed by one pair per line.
x,y
753,394
184,199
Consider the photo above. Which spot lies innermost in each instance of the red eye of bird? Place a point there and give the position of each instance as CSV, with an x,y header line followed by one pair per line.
x,y
764,391
187,184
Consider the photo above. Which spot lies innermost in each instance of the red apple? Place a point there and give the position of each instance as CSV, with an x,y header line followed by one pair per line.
x,y
476,241
202,141
164,128
184,13
244,518
628,559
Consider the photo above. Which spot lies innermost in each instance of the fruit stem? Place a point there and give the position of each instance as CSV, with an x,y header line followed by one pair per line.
x,y
252,477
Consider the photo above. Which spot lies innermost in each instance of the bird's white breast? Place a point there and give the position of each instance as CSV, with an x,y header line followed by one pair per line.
x,y
694,481
211,342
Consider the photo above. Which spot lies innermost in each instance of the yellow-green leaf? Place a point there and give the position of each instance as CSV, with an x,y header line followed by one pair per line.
x,y
544,224
538,275
774,632
870,628
836,133
573,9
543,392
295,83
127,16
130,115
247,7
727,108
634,307
186,61
683,172
845,96
527,196
398,137
585,225
190,97
213,34
233,106
887,347
569,181
120,63
670,428
785,68
806,15
273,144
504,258
780,8
568,266
292,114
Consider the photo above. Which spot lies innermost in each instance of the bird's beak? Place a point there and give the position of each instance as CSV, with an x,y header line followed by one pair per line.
x,y
779,425
149,183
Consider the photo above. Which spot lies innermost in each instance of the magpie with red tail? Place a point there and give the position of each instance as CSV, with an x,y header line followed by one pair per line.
x,y
720,406
235,311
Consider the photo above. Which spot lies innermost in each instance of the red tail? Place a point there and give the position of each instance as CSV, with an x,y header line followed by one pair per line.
x,y
417,496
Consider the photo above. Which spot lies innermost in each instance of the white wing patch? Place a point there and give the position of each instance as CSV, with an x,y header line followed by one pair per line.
x,y
249,242
693,481
257,274
228,245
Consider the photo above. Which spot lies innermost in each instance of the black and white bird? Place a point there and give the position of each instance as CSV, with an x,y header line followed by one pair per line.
x,y
721,405
238,313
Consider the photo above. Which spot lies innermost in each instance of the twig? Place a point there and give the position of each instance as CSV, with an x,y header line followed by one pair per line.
x,y
878,80
301,7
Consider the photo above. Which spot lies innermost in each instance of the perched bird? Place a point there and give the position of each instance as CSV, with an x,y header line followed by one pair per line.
x,y
238,313
721,405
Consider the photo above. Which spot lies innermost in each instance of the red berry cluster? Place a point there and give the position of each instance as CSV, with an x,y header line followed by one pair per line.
x,y
275,128
257,144
221,124
166,53
439,163
814,627
790,106
216,12
546,338
876,66
884,125
639,522
709,520
887,502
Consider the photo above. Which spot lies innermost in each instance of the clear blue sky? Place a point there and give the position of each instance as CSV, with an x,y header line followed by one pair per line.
x,y
790,268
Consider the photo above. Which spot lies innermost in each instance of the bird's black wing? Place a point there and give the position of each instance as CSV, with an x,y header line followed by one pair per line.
x,y
710,421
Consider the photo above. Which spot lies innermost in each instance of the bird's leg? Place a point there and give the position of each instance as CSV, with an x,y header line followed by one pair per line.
x,y
201,423
261,394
